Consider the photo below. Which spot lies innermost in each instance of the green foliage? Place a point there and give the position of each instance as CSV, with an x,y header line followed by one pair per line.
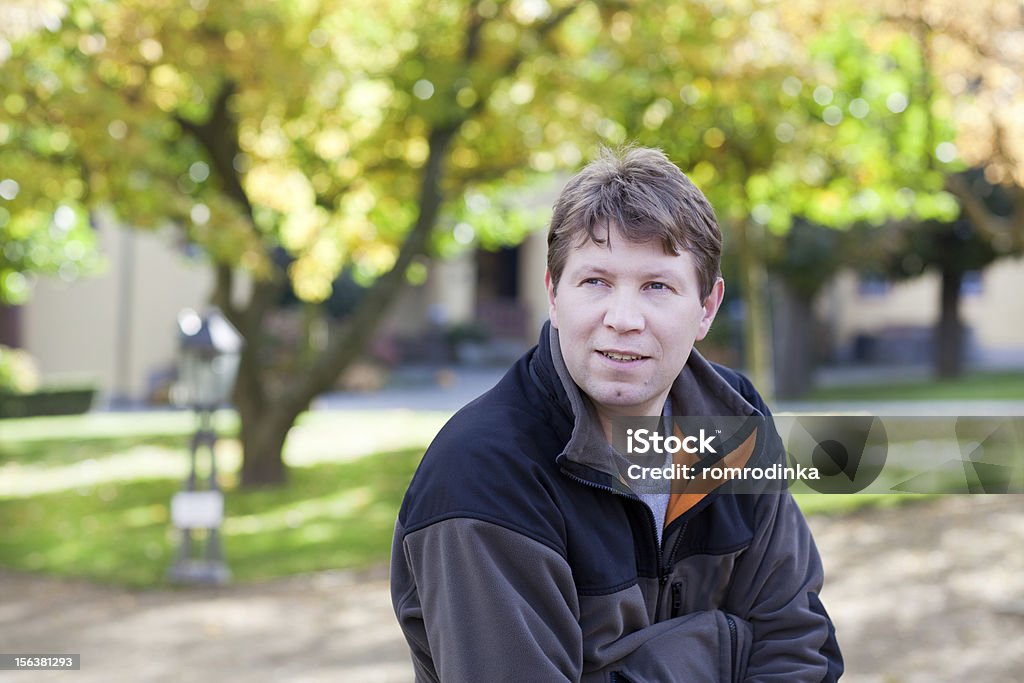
x,y
799,118
324,110
808,256
52,237
321,113
955,246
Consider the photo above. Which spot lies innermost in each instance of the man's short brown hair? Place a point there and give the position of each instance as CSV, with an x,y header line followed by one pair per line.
x,y
646,197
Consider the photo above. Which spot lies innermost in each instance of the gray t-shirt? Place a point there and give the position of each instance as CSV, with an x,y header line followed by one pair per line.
x,y
658,502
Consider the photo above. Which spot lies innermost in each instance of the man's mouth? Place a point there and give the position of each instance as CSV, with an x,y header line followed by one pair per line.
x,y
621,356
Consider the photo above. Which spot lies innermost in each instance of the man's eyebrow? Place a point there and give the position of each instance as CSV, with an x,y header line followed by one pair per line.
x,y
589,269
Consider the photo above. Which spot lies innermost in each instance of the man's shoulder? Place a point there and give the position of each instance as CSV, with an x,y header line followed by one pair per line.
x,y
508,437
493,430
492,461
512,408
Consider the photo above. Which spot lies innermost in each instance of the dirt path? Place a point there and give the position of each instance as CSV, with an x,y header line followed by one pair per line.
x,y
928,592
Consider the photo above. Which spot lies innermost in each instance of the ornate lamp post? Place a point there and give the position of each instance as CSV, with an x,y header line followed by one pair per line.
x,y
209,350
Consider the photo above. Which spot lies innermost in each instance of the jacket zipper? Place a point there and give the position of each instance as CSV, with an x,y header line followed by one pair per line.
x,y
665,570
677,599
732,641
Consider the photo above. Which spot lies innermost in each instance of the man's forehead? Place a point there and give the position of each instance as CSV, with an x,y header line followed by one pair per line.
x,y
593,257
597,244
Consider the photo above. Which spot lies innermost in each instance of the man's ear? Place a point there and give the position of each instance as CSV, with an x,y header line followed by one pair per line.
x,y
552,309
711,305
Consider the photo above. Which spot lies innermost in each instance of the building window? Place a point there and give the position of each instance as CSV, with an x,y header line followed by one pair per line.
x,y
971,284
873,285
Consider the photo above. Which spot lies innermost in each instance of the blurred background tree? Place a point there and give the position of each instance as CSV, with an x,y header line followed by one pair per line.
x,y
904,250
972,57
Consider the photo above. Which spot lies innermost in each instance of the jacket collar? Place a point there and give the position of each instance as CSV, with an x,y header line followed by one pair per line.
x,y
698,391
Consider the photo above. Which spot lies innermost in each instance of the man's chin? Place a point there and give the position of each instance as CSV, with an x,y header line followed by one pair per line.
x,y
621,402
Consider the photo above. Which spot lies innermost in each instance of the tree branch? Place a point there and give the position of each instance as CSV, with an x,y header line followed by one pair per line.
x,y
359,329
544,29
218,135
992,225
344,347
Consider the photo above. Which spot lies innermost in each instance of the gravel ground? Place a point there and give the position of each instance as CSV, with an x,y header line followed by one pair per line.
x,y
928,592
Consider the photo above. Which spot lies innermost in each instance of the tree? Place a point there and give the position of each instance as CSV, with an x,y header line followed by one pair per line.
x,y
973,55
809,116
50,239
344,131
975,77
334,130
953,248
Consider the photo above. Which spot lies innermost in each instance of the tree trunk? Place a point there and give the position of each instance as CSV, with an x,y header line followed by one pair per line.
x,y
949,333
795,358
263,423
262,436
10,326
757,333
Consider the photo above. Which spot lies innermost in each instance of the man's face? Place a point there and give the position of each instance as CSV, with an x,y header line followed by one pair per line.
x,y
627,315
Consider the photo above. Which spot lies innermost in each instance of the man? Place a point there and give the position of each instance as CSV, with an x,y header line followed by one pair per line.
x,y
522,553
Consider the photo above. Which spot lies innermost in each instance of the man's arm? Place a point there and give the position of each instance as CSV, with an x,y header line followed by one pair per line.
x,y
775,587
775,584
486,603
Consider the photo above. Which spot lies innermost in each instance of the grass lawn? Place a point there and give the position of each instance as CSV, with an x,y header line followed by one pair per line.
x,y
89,496
838,504
979,386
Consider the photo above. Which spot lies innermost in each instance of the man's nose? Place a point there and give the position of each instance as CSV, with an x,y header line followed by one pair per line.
x,y
623,313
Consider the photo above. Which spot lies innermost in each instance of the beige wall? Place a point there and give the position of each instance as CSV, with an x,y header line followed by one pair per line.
x,y
120,326
452,287
847,312
995,314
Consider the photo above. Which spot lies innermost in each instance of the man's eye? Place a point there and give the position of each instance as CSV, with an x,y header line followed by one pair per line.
x,y
659,286
592,281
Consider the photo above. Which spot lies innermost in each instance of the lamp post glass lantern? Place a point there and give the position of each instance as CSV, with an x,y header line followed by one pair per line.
x,y
210,350
208,363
